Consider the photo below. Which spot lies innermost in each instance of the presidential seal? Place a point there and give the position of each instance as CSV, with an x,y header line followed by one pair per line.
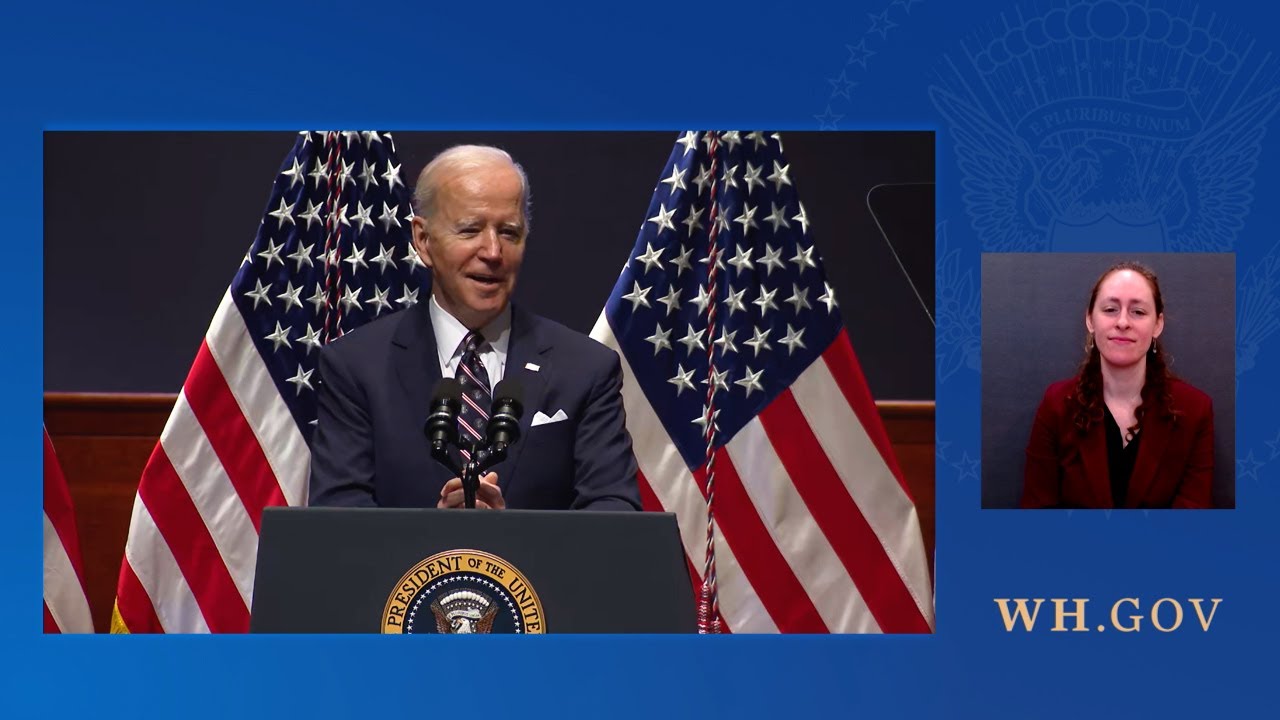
x,y
463,592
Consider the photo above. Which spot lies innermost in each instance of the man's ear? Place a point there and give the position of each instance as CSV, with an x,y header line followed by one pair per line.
x,y
422,239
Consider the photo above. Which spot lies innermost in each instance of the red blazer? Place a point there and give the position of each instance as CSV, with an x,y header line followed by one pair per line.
x,y
1174,467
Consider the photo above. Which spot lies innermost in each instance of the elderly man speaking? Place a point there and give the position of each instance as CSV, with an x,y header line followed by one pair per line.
x,y
470,228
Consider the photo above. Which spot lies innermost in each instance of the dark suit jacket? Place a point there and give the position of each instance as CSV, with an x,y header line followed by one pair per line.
x,y
1174,467
376,383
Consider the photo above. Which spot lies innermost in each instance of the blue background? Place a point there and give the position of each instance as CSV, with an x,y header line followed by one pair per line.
x,y
740,64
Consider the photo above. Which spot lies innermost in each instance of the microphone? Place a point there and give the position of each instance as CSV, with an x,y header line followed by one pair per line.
x,y
442,424
504,415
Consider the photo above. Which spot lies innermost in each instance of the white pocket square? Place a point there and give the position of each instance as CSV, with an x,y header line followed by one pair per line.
x,y
540,418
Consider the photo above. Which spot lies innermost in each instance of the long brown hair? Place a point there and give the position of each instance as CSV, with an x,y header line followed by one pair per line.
x,y
1156,388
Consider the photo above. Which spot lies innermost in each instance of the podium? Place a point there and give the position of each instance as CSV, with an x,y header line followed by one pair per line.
x,y
370,570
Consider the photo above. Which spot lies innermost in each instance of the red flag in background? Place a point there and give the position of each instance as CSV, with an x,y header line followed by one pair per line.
x,y
66,607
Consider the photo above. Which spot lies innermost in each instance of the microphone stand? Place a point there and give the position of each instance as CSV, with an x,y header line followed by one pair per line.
x,y
483,457
441,429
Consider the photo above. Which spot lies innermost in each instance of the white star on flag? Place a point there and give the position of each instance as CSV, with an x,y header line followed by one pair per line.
x,y
779,439
190,556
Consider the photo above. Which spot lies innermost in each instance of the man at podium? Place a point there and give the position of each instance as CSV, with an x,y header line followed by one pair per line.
x,y
369,449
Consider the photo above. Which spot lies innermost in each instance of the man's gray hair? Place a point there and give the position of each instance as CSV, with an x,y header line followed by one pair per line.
x,y
465,157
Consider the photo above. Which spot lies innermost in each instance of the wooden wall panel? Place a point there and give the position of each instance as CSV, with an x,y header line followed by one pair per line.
x,y
104,441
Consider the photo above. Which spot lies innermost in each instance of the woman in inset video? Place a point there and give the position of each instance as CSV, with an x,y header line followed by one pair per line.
x,y
1124,432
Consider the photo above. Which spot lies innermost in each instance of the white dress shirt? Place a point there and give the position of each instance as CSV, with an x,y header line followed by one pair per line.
x,y
449,336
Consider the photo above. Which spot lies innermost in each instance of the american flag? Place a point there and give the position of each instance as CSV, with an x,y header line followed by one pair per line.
x,y
332,252
66,607
747,406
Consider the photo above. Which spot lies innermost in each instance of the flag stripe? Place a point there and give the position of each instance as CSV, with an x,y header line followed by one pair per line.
x,y
648,498
770,575
846,373
649,501
740,606
63,593
133,605
179,523
50,625
859,549
762,450
237,449
66,604
888,510
260,404
203,475
157,571
59,510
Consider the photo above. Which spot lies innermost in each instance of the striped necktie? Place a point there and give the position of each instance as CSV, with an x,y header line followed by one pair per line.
x,y
476,397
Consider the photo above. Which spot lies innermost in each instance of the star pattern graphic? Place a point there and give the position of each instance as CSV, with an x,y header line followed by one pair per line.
x,y
876,37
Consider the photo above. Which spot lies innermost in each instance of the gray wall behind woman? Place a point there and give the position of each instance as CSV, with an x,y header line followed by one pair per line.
x,y
1033,307
144,231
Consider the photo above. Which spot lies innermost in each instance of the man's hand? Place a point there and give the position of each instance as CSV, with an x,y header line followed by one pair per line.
x,y
488,495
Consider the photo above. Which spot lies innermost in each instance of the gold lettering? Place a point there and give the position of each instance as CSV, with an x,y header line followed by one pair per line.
x,y
1204,622
1155,615
1028,619
1060,614
1137,619
520,595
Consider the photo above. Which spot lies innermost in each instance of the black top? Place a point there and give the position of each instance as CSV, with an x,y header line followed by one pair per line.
x,y
1120,458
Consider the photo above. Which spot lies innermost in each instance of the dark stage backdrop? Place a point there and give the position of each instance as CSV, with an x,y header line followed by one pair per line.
x,y
144,231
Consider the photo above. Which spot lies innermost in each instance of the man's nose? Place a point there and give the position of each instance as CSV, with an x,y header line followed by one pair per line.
x,y
490,245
